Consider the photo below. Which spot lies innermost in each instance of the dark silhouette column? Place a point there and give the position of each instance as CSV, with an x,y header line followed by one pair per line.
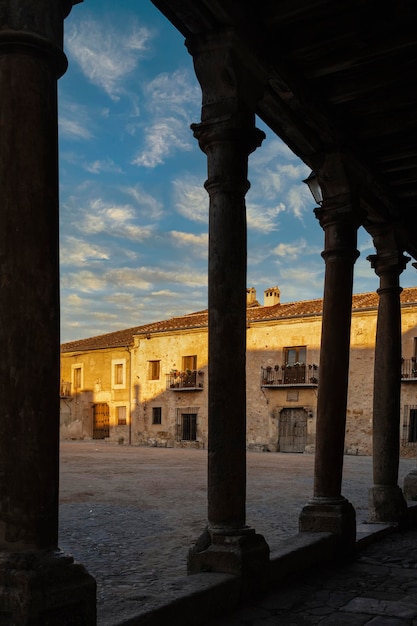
x,y
386,500
38,584
328,510
227,135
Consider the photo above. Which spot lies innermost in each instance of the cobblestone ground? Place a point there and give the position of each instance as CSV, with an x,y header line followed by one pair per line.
x,y
377,589
129,514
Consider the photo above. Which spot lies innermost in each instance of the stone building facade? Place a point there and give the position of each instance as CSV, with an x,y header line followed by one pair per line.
x,y
148,385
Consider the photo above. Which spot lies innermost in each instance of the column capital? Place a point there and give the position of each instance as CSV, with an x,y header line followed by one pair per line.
x,y
36,30
230,84
390,261
227,128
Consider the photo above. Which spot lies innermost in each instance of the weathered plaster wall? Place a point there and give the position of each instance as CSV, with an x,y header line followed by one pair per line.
x,y
76,416
265,406
169,349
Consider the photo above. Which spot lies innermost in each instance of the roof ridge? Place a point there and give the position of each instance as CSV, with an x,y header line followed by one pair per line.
x,y
124,336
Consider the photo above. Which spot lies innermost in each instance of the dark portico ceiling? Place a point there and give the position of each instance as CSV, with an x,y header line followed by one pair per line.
x,y
337,75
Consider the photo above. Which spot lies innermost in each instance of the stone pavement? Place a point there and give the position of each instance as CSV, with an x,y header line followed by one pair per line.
x,y
377,588
129,515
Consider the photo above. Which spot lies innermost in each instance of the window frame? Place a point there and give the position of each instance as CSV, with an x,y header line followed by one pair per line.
x,y
116,363
156,415
121,421
77,367
154,364
189,362
296,350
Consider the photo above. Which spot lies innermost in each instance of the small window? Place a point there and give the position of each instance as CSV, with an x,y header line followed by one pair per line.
x,y
77,376
118,373
154,370
189,362
121,415
156,415
412,427
295,355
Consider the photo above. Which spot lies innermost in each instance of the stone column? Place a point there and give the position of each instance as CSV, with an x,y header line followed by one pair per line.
x,y
38,584
227,135
328,510
386,500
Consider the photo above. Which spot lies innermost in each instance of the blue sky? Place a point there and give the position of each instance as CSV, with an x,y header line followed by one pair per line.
x,y
134,213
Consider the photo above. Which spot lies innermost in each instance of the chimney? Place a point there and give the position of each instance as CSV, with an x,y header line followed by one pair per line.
x,y
271,296
251,297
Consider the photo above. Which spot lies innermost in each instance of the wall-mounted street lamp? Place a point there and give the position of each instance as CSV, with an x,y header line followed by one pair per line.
x,y
313,184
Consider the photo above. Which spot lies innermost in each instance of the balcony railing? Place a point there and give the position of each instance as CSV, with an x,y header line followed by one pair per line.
x,y
297,374
65,389
190,380
409,369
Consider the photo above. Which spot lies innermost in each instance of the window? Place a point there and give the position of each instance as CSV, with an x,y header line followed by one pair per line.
x,y
295,365
156,415
189,426
77,376
154,369
295,355
118,373
121,415
187,423
189,362
412,426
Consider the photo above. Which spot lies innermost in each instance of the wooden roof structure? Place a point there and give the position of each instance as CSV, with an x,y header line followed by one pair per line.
x,y
333,76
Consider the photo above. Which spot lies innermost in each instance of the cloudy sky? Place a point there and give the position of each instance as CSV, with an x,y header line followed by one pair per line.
x,y
133,207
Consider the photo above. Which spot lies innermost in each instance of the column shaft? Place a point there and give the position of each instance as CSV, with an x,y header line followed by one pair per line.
x,y
227,185
329,510
387,503
227,135
29,304
35,578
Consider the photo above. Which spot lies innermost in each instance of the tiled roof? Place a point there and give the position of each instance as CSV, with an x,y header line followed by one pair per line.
x,y
121,338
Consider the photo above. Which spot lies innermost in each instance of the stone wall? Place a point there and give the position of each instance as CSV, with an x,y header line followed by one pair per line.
x,y
268,408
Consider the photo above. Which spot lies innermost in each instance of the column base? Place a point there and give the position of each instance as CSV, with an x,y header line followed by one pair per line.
x,y
387,504
410,485
332,515
45,588
241,552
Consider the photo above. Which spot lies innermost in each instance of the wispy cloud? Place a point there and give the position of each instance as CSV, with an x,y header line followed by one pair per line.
x,y
195,244
290,250
77,252
74,121
106,55
263,218
147,205
171,99
162,138
112,219
100,166
177,92
191,199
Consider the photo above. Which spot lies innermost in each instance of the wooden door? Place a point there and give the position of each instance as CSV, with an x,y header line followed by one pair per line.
x,y
101,421
292,430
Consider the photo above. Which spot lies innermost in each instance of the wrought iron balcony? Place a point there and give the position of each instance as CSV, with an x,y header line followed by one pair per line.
x,y
409,369
65,389
306,374
190,380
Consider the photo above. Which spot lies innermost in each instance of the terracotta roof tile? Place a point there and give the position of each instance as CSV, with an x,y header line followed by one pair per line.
x,y
199,319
